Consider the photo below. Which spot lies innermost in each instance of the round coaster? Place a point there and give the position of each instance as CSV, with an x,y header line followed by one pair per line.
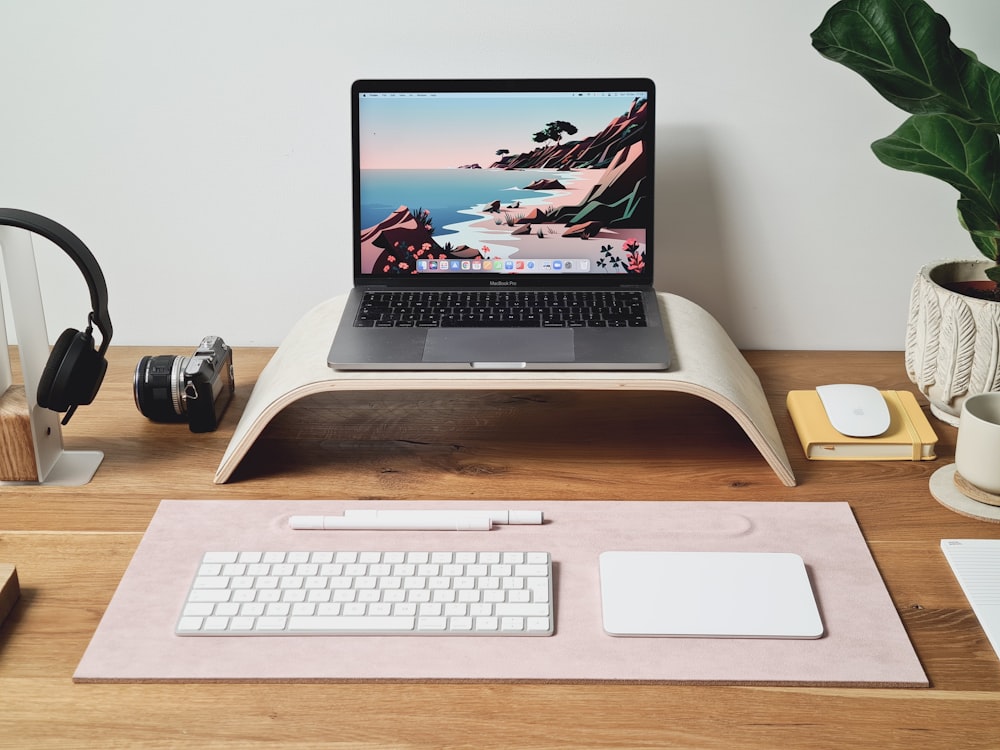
x,y
945,491
970,490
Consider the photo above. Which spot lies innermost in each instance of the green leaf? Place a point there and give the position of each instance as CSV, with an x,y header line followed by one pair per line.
x,y
964,156
904,49
982,226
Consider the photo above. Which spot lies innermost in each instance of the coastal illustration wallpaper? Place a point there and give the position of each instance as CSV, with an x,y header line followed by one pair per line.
x,y
512,183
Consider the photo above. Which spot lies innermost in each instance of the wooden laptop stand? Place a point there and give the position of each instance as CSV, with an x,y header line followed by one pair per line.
x,y
706,364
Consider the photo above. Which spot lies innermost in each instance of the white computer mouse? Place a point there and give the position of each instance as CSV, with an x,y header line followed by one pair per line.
x,y
855,410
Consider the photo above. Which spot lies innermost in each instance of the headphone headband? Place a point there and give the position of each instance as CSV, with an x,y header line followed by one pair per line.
x,y
73,246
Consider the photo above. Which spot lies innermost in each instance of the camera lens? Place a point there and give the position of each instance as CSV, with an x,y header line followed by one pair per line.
x,y
159,387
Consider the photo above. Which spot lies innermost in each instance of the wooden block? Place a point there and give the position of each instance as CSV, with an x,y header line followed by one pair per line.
x,y
17,448
9,589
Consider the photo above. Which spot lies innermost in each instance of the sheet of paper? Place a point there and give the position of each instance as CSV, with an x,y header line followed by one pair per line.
x,y
976,564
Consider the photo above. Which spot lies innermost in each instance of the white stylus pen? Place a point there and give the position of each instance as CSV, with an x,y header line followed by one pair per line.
x,y
522,517
321,523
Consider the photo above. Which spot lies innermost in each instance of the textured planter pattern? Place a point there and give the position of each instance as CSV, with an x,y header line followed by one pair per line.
x,y
952,349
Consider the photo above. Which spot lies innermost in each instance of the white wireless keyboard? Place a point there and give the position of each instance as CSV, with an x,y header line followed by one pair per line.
x,y
370,593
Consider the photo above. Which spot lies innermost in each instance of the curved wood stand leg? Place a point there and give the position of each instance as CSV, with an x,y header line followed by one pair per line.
x,y
706,364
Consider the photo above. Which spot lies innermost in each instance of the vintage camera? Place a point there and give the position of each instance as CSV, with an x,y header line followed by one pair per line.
x,y
195,389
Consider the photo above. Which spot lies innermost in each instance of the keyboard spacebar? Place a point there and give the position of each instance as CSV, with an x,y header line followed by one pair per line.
x,y
344,623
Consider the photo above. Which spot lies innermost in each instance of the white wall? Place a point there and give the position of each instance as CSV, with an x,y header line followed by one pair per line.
x,y
201,149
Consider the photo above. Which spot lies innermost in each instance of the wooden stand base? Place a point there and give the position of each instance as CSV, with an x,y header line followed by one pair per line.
x,y
17,455
706,364
20,439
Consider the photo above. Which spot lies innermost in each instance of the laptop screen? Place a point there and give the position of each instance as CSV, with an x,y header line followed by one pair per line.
x,y
474,182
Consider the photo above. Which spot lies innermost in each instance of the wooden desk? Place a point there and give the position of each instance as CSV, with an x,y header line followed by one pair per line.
x,y
71,546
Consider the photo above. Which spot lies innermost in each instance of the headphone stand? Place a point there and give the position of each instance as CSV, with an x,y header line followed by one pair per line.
x,y
27,430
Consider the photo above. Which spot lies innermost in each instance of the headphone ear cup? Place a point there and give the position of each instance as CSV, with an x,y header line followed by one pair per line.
x,y
73,372
48,396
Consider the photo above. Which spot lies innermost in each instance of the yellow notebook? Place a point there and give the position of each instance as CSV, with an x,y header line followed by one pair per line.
x,y
910,436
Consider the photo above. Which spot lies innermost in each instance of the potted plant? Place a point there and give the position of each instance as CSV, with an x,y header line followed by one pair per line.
x,y
904,50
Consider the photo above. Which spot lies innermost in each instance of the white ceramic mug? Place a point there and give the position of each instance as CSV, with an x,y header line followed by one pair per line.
x,y
977,452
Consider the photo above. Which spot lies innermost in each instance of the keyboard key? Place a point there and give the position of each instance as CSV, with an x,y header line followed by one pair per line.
x,y
350,624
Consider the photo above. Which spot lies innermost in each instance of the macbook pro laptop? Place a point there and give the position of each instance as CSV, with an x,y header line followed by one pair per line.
x,y
502,224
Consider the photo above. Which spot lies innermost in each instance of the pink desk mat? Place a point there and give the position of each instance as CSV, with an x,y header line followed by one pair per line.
x,y
864,644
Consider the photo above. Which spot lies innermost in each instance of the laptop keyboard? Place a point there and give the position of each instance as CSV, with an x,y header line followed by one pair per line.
x,y
502,309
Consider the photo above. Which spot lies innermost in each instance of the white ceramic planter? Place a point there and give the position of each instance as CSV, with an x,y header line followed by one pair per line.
x,y
952,341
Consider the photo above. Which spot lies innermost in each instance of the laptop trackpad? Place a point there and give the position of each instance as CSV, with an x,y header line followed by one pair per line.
x,y
499,348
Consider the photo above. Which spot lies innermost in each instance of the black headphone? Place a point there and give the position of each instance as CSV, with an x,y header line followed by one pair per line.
x,y
74,370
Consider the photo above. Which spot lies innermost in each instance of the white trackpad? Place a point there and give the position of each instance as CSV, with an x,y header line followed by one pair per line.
x,y
708,595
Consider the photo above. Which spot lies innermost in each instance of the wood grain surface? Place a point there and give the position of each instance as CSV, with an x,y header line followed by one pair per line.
x,y
17,452
71,546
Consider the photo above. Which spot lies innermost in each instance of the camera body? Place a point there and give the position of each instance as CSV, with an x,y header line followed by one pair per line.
x,y
195,389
